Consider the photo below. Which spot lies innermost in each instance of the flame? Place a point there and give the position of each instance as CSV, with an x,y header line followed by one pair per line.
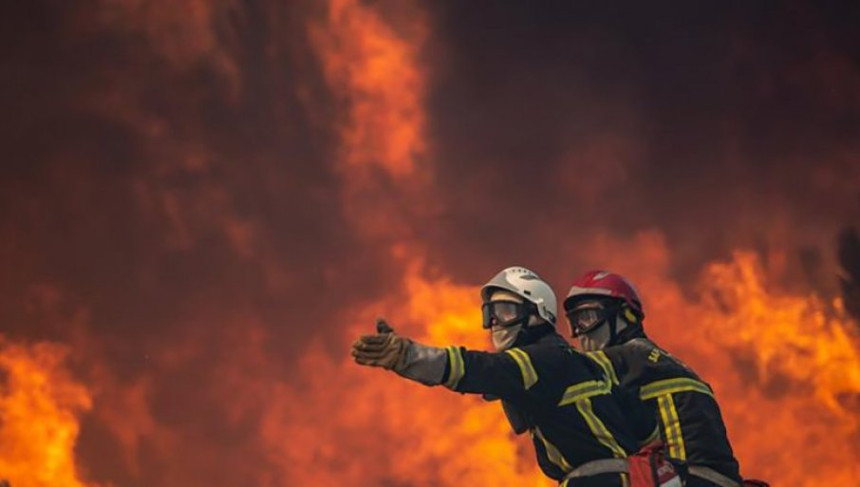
x,y
785,367
372,70
800,391
40,405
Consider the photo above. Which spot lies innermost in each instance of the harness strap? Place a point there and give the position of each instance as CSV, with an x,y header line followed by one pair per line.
x,y
712,475
597,467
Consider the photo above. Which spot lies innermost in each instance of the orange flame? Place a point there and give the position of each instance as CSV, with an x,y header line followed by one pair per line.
x,y
800,395
372,69
39,409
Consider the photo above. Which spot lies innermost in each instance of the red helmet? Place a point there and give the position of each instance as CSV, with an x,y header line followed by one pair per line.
x,y
601,283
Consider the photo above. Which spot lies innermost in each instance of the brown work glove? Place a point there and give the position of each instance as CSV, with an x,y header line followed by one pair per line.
x,y
386,350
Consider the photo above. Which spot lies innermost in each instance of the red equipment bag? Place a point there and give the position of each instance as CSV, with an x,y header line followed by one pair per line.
x,y
650,468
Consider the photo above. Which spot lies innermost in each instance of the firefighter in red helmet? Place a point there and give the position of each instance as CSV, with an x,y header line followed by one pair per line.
x,y
605,313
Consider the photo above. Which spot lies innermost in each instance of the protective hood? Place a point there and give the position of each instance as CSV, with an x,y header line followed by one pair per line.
x,y
505,337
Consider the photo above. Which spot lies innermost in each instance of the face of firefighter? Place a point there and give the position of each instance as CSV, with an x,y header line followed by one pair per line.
x,y
596,339
597,334
504,336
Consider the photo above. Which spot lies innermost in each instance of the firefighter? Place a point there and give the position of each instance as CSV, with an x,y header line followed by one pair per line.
x,y
605,313
558,394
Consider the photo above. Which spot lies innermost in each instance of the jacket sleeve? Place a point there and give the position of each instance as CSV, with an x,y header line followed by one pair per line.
x,y
503,374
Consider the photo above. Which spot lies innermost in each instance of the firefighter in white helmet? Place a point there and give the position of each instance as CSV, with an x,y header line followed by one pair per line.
x,y
547,388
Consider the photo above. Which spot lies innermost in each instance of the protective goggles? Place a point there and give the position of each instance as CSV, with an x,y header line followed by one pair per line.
x,y
504,313
586,318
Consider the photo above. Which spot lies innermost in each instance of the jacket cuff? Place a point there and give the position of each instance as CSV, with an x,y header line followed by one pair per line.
x,y
423,364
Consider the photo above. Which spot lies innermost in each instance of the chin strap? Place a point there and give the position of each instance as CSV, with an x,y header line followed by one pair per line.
x,y
622,314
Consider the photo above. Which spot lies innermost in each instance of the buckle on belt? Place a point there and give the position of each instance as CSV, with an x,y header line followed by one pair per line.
x,y
597,467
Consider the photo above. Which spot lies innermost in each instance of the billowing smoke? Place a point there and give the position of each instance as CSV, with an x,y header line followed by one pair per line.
x,y
202,203
723,126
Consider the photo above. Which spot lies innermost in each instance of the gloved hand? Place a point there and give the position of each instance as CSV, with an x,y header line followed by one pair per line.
x,y
386,350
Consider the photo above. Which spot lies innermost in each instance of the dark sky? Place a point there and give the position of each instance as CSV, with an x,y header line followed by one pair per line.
x,y
170,170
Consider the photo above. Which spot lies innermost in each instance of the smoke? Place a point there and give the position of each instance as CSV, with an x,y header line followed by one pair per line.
x,y
849,259
205,202
719,126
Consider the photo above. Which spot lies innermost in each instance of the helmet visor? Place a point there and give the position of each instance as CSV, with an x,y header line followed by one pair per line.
x,y
502,313
584,319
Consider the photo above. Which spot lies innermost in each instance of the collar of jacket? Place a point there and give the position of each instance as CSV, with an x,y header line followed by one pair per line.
x,y
534,334
628,334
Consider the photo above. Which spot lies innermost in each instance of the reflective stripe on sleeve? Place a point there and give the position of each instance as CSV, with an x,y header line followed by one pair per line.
x,y
604,362
672,427
671,386
584,390
598,429
522,359
456,367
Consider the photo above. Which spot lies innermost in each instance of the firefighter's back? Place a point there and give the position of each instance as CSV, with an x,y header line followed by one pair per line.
x,y
691,424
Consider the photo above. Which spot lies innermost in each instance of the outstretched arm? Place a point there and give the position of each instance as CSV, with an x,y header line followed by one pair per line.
x,y
502,374
411,360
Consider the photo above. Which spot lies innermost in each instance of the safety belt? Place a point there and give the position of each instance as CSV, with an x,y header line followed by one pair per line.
x,y
597,467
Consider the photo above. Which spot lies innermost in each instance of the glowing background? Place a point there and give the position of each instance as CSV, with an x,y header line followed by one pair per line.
x,y
202,203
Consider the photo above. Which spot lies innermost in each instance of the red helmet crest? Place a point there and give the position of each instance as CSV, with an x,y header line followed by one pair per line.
x,y
602,283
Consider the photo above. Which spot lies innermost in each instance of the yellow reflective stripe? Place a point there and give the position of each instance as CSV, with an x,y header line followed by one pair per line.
x,y
679,436
598,429
672,427
602,360
584,390
671,386
522,359
456,367
553,453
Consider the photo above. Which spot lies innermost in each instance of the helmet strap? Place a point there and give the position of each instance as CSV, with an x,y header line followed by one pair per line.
x,y
634,327
530,311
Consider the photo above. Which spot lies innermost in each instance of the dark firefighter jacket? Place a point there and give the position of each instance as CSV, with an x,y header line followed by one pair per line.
x,y
691,425
572,413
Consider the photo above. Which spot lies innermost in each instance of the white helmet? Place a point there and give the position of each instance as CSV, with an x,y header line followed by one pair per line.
x,y
527,285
